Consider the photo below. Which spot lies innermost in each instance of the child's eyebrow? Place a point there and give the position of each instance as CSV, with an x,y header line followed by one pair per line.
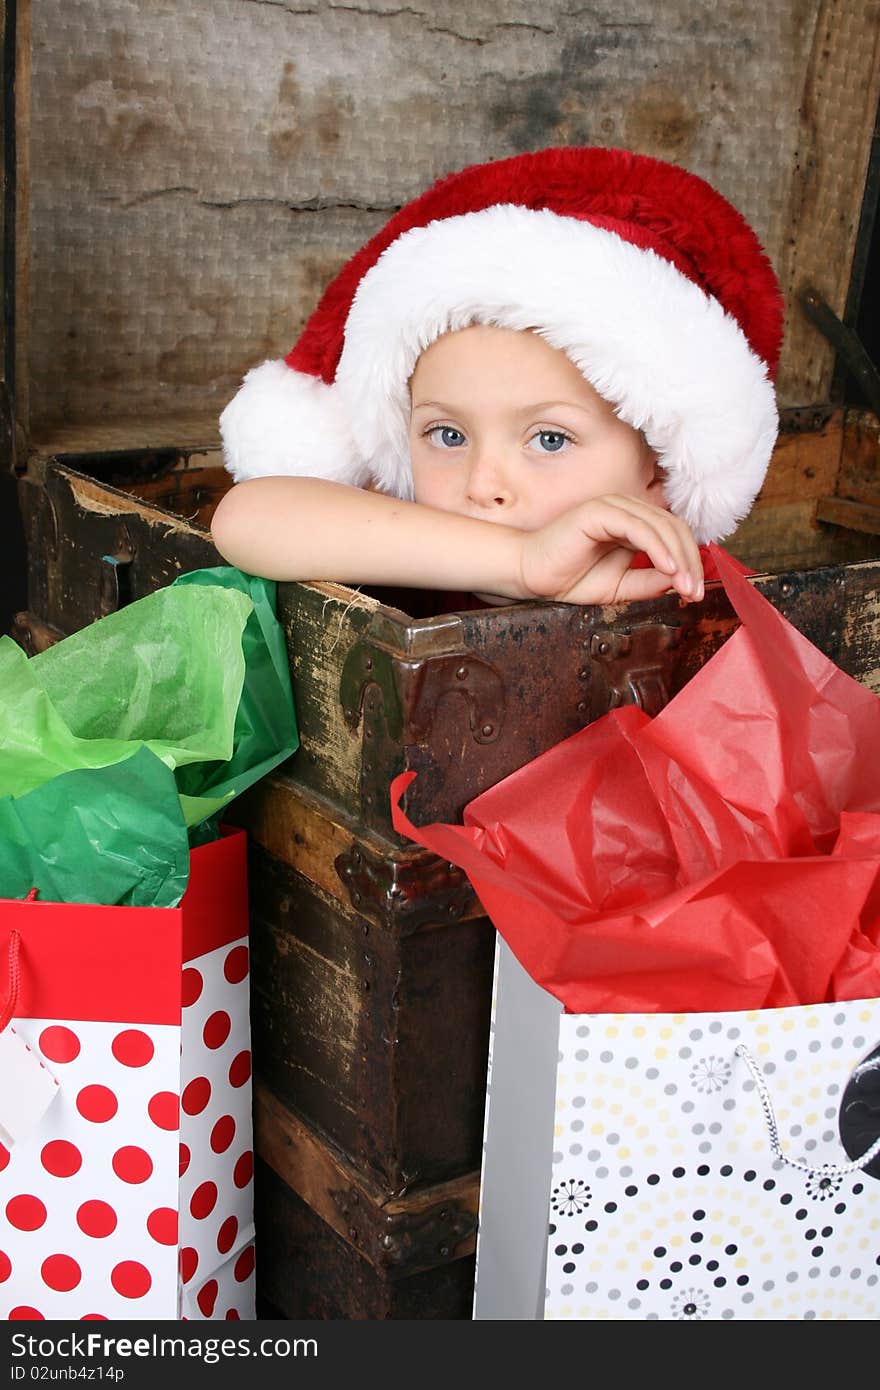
x,y
541,407
536,408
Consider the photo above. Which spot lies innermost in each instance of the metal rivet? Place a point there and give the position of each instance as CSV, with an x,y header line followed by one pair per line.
x,y
487,730
583,673
444,1250
462,673
603,648
582,706
785,589
369,663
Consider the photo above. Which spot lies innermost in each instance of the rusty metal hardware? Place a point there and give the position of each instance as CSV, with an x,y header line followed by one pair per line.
x,y
481,686
398,1231
403,896
846,344
411,690
805,419
33,634
632,668
114,591
364,666
405,1240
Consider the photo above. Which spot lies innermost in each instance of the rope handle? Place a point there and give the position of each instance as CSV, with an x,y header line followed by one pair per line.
x,y
826,1170
7,1009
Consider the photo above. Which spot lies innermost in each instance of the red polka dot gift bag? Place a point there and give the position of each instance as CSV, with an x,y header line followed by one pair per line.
x,y
126,1161
683,1101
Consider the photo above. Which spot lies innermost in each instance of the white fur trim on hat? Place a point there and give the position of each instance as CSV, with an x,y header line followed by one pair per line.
x,y
282,421
666,355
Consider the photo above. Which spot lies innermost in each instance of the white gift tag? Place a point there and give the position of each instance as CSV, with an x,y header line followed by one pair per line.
x,y
27,1088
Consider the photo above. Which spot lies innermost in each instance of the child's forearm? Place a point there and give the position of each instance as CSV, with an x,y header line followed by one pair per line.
x,y
306,528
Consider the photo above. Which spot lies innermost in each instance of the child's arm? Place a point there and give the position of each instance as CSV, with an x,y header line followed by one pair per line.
x,y
306,528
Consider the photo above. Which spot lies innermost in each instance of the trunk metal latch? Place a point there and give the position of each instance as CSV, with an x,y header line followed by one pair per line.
x,y
632,668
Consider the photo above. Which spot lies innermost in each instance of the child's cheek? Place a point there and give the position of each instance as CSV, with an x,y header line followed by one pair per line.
x,y
431,487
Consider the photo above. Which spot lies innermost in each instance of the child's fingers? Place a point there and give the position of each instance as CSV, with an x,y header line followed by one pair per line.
x,y
678,535
675,533
665,539
642,584
601,583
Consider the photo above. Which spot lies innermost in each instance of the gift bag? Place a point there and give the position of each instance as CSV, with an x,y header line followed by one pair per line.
x,y
683,1109
125,1104
679,1166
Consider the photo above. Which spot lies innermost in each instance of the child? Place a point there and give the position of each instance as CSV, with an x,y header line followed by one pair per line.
x,y
562,358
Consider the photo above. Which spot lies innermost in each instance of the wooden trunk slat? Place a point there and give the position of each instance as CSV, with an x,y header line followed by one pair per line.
x,y
306,1270
404,1233
307,832
789,536
378,1041
854,516
860,464
805,463
322,622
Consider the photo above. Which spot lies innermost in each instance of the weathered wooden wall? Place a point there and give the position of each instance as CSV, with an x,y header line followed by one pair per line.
x,y
200,168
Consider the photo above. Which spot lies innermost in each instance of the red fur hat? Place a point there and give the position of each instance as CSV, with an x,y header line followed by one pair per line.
x,y
650,281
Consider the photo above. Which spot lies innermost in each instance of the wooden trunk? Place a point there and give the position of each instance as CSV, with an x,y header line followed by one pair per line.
x,y
372,960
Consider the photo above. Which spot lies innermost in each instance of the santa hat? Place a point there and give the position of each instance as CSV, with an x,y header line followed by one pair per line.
x,y
651,283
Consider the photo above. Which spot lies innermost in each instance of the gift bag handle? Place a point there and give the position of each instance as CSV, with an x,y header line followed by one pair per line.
x,y
7,1008
826,1170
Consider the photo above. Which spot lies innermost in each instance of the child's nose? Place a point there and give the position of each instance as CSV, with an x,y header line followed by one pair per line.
x,y
488,482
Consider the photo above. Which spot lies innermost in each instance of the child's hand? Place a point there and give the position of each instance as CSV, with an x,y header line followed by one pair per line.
x,y
584,556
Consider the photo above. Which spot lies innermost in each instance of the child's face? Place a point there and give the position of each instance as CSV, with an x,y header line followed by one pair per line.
x,y
504,427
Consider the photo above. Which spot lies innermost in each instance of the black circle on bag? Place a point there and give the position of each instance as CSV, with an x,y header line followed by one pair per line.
x,y
859,1118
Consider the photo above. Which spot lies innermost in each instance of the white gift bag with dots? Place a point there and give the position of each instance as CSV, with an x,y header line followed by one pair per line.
x,y
133,1196
688,1166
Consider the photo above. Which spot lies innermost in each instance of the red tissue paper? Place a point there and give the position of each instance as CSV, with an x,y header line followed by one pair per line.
x,y
723,855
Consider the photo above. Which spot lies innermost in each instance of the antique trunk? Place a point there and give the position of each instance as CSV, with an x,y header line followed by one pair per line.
x,y
371,959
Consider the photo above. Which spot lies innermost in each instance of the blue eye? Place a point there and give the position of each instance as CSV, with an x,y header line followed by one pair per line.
x,y
549,441
446,437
